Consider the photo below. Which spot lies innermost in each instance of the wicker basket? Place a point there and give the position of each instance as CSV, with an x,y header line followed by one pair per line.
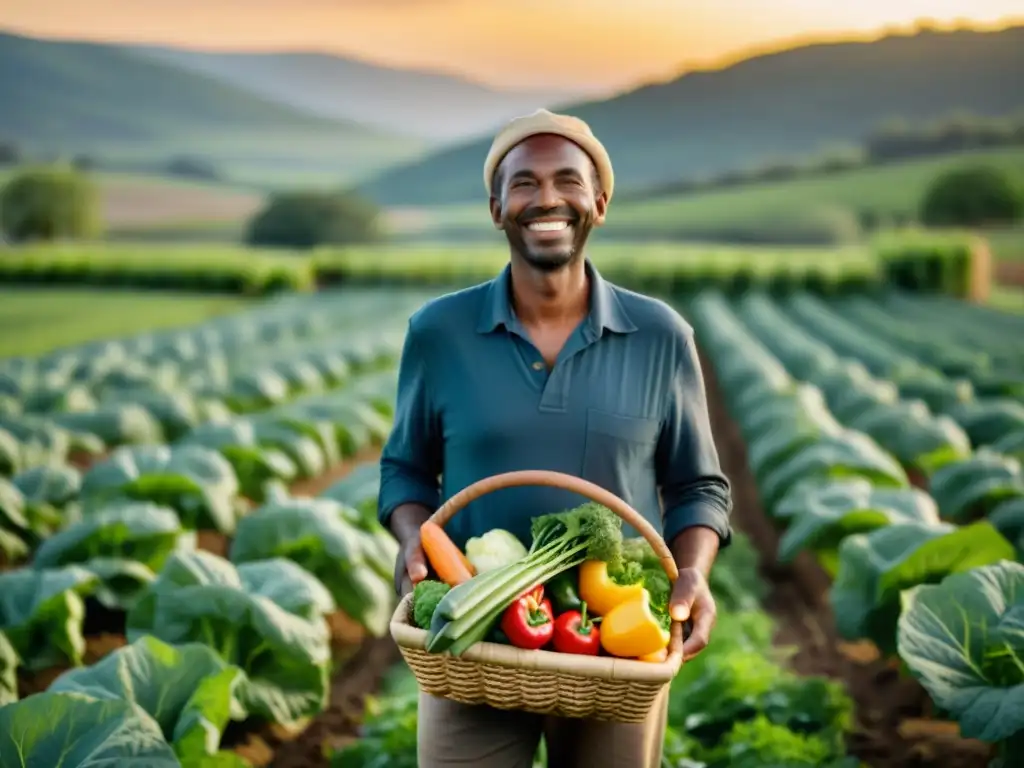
x,y
543,682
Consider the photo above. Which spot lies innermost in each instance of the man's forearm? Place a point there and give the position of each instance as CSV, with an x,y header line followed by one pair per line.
x,y
695,547
407,518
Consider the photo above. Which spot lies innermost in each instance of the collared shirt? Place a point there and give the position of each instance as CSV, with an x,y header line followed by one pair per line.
x,y
623,406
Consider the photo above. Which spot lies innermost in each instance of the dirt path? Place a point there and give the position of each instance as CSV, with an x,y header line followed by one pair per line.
x,y
892,729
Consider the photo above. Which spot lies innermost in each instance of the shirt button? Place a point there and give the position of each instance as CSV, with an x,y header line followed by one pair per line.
x,y
538,365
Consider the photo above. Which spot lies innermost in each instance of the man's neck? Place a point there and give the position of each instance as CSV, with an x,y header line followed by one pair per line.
x,y
549,298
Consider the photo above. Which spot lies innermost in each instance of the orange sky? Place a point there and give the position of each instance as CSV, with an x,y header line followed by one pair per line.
x,y
594,44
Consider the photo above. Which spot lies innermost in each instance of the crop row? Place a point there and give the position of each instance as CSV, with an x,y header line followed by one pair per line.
x,y
209,639
155,388
948,264
927,572
228,597
736,705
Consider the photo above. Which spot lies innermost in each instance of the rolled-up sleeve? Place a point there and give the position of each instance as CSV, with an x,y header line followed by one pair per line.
x,y
694,489
411,461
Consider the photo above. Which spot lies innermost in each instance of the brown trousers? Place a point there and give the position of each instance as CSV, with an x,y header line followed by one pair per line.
x,y
452,734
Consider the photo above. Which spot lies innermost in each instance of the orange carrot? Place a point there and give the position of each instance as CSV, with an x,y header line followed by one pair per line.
x,y
447,560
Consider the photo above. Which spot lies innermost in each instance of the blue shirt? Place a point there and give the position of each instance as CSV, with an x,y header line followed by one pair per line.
x,y
624,407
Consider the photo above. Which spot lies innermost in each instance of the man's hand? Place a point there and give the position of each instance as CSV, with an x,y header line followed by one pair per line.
x,y
694,550
411,563
691,600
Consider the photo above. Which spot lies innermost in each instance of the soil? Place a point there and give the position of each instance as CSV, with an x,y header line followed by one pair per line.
x,y
359,676
1010,273
893,727
315,486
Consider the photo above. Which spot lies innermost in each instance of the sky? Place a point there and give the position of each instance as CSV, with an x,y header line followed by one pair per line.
x,y
589,45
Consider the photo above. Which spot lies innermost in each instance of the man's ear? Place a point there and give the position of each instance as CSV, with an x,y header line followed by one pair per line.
x,y
600,208
496,213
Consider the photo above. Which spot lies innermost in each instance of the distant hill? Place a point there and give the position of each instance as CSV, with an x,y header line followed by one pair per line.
x,y
429,105
790,103
71,97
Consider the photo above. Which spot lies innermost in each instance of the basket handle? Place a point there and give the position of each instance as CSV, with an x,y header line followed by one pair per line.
x,y
583,487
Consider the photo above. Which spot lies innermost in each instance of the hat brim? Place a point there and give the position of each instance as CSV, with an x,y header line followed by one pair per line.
x,y
506,142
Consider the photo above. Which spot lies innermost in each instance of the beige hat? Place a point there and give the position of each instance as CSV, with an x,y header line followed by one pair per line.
x,y
543,121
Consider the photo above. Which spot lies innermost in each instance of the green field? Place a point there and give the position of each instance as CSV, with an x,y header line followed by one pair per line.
x,y
822,207
153,483
35,321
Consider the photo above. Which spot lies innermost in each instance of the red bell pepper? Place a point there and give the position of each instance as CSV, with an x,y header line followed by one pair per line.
x,y
576,633
529,622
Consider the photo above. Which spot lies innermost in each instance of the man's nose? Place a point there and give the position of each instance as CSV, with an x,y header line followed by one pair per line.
x,y
549,196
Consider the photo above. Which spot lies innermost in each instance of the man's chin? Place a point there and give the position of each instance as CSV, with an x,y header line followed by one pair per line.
x,y
549,262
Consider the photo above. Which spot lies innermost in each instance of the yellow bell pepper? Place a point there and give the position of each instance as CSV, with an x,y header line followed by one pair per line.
x,y
655,658
631,630
599,592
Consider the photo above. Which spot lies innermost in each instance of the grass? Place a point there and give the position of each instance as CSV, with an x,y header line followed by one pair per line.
x,y
799,207
1007,299
33,322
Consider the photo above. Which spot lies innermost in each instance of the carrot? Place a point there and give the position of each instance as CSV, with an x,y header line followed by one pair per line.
x,y
447,560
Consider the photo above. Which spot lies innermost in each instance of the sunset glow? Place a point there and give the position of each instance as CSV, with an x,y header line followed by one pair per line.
x,y
595,44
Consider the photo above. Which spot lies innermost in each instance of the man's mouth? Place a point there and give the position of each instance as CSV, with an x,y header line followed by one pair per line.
x,y
548,226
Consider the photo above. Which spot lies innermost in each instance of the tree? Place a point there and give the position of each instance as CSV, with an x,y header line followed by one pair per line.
x,y
309,219
972,196
49,204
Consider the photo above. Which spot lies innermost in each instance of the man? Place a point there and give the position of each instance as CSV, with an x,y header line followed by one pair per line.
x,y
550,367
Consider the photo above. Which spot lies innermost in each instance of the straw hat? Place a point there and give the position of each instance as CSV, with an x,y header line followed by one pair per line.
x,y
543,121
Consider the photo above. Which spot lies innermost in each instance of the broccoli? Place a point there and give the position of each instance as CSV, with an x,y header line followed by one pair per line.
x,y
425,597
589,525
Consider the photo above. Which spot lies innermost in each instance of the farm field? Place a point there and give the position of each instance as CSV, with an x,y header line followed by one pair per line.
x,y
134,201
234,461
36,321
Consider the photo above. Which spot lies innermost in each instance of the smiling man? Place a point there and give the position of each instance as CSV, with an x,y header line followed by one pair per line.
x,y
549,366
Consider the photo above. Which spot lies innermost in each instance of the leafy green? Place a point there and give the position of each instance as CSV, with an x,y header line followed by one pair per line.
x,y
125,545
41,612
265,617
9,663
822,514
874,568
963,638
967,490
187,689
198,483
835,457
315,534
76,731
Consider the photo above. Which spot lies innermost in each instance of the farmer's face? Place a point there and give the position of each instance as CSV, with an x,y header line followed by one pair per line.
x,y
547,201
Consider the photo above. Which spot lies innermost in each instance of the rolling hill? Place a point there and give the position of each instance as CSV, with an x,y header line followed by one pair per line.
x,y
790,103
71,97
433,106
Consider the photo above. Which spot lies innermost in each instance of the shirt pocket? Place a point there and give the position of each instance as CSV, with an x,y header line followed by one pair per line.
x,y
618,451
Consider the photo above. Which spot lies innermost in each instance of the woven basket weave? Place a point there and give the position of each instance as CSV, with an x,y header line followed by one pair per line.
x,y
542,682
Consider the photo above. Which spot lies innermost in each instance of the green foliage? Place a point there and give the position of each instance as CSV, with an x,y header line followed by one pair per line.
x,y
971,197
72,729
963,639
309,219
49,204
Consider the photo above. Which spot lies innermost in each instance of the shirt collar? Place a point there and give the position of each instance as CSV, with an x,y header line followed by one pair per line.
x,y
606,310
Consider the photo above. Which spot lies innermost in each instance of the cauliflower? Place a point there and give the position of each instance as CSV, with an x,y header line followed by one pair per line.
x,y
494,549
